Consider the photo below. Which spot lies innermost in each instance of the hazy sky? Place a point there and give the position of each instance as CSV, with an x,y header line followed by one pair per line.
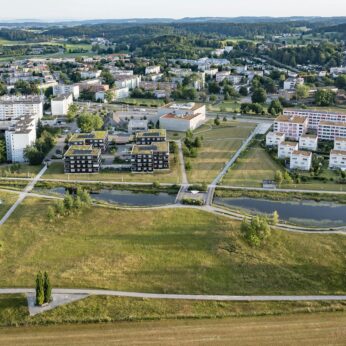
x,y
97,9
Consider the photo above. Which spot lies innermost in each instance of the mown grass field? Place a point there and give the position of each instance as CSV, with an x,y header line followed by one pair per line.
x,y
143,102
219,144
251,169
225,106
56,171
307,329
164,251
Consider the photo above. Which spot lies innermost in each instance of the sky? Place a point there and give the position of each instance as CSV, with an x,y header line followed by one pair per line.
x,y
114,9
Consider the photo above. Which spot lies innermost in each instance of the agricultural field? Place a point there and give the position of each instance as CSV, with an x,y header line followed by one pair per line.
x,y
254,166
173,176
167,251
219,144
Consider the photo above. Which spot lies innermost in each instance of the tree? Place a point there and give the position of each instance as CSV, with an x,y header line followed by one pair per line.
x,y
325,98
255,231
302,91
275,107
72,112
3,154
60,208
243,91
68,202
340,82
3,89
259,96
217,121
51,214
89,122
33,155
278,177
39,289
47,289
109,96
275,218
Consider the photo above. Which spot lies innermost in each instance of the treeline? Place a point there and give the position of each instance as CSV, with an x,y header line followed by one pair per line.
x,y
325,54
19,35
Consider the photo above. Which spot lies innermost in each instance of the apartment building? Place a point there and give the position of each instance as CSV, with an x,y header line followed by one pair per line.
x,y
60,104
340,143
12,108
301,160
130,82
18,137
315,117
150,136
152,70
291,83
63,89
182,117
308,142
285,149
337,159
150,157
82,159
273,139
329,130
97,139
292,126
88,74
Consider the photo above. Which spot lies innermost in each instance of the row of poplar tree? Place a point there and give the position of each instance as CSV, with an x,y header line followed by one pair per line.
x,y
43,289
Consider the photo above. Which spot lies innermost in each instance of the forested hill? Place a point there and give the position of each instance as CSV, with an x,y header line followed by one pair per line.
x,y
224,29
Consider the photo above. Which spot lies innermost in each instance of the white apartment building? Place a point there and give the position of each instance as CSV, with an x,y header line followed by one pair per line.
x,y
292,126
62,89
308,142
285,149
90,74
152,70
337,159
340,143
21,135
220,76
301,160
273,139
12,108
315,116
291,83
130,82
329,130
117,94
61,104
182,117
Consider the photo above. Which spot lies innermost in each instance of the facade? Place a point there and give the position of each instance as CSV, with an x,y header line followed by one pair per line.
x,y
137,126
63,89
82,159
182,117
301,160
292,126
329,130
97,139
291,83
273,139
340,143
308,142
315,117
12,108
337,159
152,70
150,157
151,136
285,149
130,82
21,135
61,104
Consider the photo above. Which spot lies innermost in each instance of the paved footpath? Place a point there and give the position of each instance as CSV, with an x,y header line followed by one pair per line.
x,y
95,292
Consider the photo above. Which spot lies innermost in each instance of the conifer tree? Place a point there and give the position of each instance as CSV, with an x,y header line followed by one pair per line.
x,y
47,289
39,289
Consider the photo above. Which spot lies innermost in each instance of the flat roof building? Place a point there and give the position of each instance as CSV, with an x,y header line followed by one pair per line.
x,y
82,159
